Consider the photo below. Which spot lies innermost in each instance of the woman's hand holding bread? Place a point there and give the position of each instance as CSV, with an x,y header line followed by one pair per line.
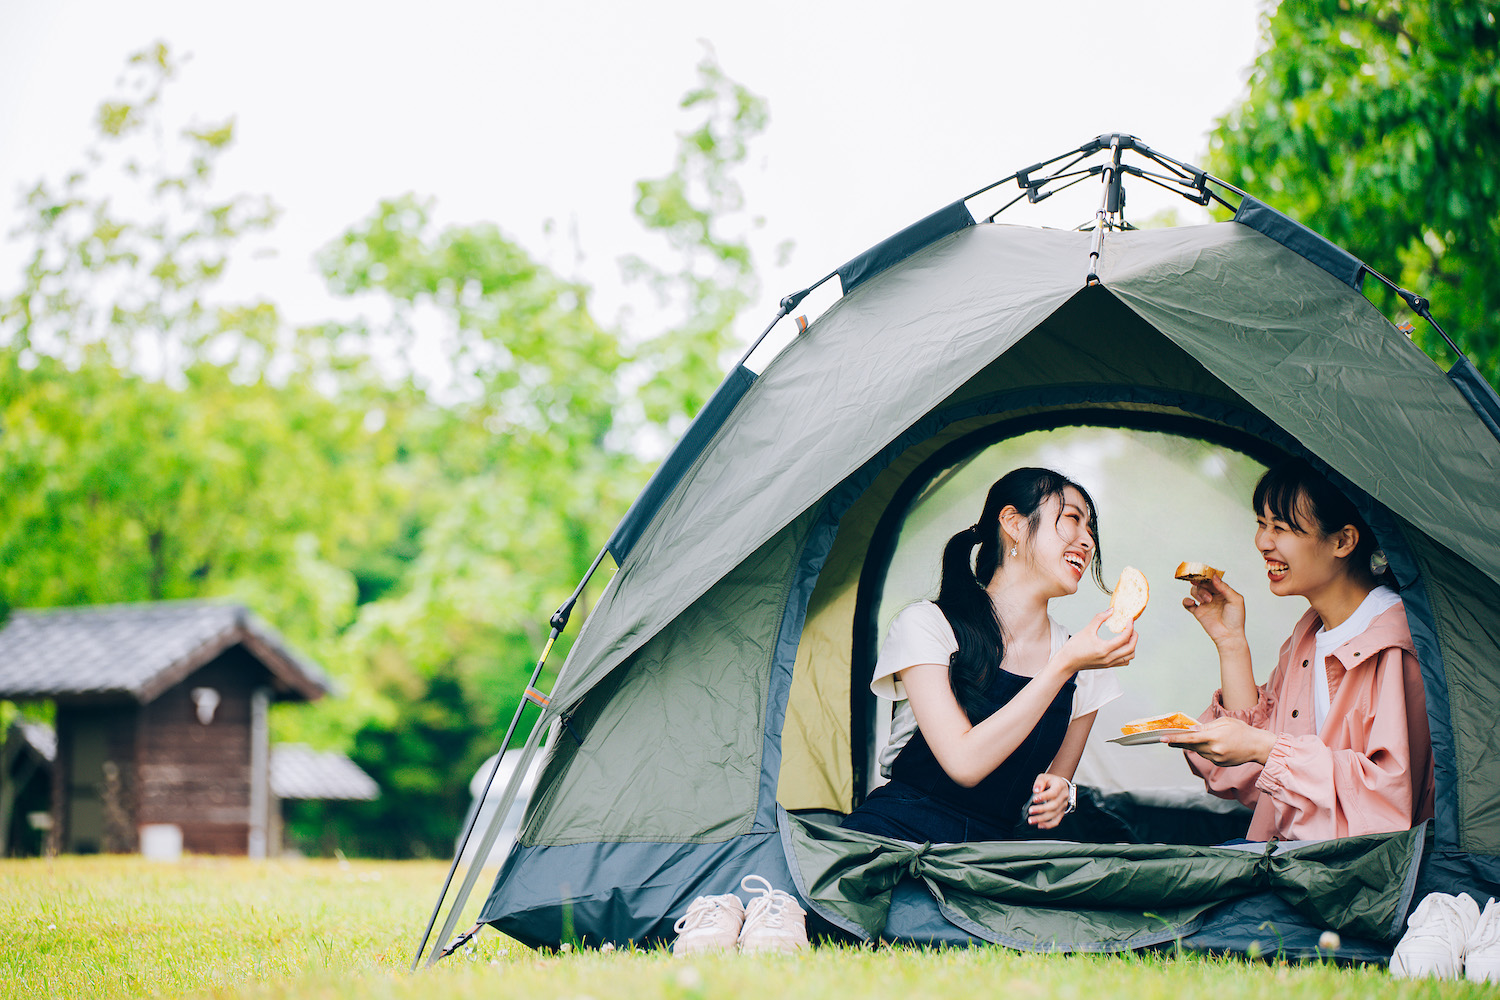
x,y
1220,609
1088,650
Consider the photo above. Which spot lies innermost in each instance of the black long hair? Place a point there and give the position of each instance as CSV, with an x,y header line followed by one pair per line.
x,y
962,596
1281,492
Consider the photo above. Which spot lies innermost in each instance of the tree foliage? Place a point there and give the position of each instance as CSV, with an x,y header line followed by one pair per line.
x,y
145,450
1377,123
713,277
406,495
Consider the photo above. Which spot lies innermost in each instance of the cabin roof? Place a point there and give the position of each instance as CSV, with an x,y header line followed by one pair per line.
x,y
138,651
300,772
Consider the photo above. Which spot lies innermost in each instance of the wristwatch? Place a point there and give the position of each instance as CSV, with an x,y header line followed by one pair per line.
x,y
1072,797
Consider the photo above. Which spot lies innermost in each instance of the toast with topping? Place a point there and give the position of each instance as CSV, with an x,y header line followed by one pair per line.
x,y
1174,721
1197,572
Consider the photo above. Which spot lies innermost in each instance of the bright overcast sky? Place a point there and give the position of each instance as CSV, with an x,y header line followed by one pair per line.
x,y
522,113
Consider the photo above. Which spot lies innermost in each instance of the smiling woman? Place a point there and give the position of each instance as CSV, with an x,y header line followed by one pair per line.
x,y
1338,737
999,700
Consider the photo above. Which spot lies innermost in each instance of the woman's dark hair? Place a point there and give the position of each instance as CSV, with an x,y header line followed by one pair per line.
x,y
1279,494
962,595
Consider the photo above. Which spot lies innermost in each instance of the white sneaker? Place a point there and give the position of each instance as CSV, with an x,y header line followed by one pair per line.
x,y
1436,934
1482,956
711,923
774,921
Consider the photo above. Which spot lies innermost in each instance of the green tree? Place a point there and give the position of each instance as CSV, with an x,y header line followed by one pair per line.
x,y
698,207
1377,123
156,442
410,525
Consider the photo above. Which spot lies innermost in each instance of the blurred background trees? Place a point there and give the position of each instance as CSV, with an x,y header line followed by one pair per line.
x,y
1377,123
410,529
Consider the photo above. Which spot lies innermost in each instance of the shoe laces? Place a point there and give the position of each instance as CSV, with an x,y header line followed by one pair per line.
x,y
771,906
706,910
1487,930
1448,918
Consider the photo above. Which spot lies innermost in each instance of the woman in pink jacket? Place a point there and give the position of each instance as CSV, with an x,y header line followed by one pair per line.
x,y
1336,743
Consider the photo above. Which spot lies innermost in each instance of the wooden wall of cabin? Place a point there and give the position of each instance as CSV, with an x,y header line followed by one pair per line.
x,y
197,775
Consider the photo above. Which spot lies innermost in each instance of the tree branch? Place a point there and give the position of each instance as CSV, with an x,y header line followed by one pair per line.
x,y
1390,25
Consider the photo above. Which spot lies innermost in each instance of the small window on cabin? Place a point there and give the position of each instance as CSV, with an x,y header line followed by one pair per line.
x,y
1163,499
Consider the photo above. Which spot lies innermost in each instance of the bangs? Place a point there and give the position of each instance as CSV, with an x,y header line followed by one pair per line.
x,y
1280,493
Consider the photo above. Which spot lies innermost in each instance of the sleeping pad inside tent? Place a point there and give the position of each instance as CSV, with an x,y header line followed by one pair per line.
x,y
718,720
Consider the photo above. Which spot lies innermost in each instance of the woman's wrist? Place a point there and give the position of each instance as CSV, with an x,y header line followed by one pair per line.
x,y
1058,669
1268,743
1232,644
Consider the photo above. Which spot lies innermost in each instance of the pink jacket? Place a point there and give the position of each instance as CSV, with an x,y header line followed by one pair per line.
x,y
1371,769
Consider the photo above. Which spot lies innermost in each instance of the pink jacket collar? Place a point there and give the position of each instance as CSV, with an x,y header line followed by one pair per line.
x,y
1389,630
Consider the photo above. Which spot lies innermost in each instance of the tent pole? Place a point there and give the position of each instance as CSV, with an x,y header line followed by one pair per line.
x,y
474,819
787,304
1111,201
558,622
476,865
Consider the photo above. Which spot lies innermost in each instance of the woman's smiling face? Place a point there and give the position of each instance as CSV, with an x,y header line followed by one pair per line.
x,y
1299,560
1062,545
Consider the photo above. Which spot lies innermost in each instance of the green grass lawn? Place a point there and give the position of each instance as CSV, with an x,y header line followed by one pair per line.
x,y
100,928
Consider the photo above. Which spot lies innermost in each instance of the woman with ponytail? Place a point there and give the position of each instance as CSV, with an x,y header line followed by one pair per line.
x,y
998,699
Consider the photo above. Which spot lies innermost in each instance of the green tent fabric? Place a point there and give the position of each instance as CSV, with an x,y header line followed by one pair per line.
x,y
666,781
1098,897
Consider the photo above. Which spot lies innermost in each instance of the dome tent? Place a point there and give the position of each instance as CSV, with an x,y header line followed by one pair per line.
x,y
724,662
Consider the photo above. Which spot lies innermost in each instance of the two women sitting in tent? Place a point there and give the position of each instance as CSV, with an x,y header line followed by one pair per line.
x,y
1000,701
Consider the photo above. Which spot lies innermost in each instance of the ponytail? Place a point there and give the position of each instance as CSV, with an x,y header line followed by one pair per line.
x,y
968,608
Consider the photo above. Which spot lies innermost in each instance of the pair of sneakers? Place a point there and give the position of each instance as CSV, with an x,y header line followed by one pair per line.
x,y
1448,937
773,922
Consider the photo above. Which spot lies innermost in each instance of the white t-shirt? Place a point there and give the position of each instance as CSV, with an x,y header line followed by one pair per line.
x,y
1376,602
921,634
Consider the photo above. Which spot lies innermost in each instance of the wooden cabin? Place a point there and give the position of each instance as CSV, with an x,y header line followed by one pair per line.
x,y
161,721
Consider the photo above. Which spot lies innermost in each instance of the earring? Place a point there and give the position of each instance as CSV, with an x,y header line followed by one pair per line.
x,y
1012,551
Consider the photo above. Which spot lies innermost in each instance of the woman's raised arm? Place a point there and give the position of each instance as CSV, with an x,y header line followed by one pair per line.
x,y
970,753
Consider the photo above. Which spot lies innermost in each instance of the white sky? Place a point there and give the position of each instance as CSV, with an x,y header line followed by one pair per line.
x,y
523,113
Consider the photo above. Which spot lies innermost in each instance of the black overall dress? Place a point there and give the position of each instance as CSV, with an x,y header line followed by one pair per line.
x,y
922,804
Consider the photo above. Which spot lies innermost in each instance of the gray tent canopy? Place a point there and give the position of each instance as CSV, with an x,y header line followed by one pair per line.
x,y
713,696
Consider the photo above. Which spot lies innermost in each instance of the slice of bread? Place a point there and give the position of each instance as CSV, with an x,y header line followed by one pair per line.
x,y
1196,572
1131,594
1174,721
